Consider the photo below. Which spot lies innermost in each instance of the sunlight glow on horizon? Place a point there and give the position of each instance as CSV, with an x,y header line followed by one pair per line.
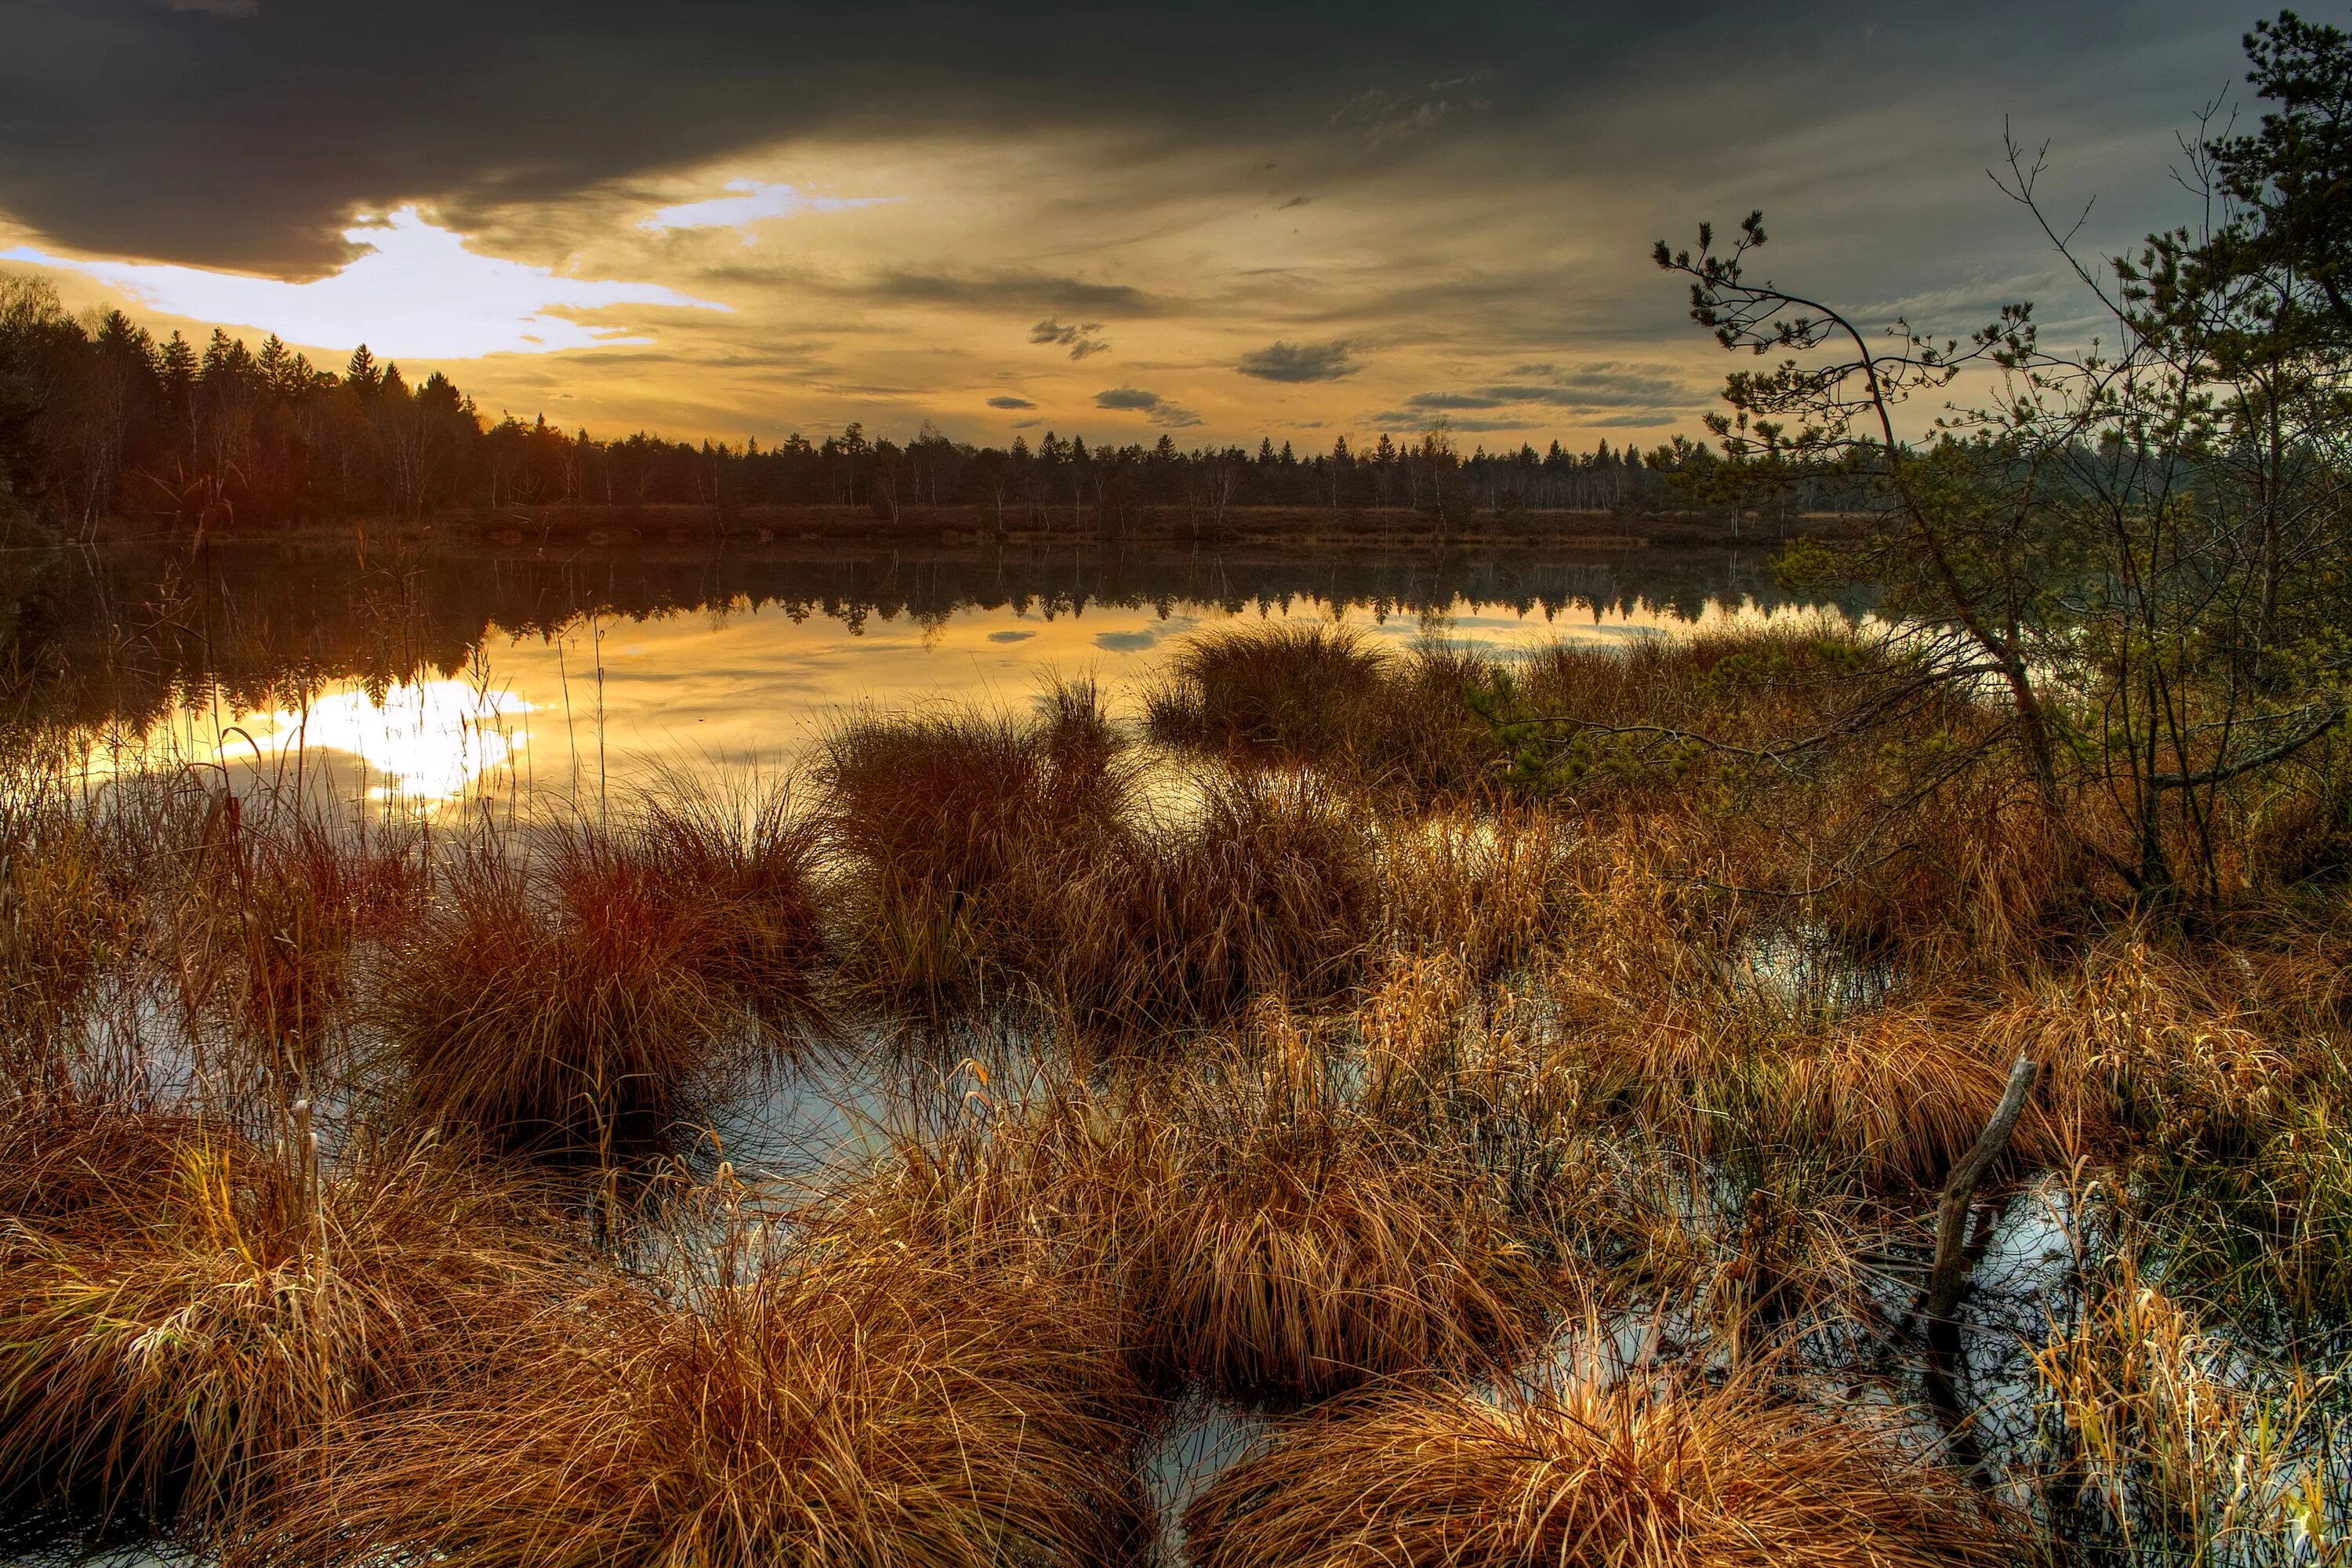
x,y
416,293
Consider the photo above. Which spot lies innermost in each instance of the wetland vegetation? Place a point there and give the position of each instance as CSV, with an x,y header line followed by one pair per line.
x,y
1521,1156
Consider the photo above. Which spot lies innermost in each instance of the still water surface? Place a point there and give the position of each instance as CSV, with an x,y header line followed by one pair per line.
x,y
426,676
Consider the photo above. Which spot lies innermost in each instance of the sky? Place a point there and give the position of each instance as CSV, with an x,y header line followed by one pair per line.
x,y
739,218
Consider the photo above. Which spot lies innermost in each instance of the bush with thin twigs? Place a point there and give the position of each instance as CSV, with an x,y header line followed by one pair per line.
x,y
821,1405
1575,1472
580,997
1801,759
187,1316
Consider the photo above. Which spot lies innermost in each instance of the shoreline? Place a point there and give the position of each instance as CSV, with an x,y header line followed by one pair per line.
x,y
954,527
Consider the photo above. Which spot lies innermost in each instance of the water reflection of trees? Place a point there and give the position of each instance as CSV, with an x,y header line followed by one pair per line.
x,y
121,634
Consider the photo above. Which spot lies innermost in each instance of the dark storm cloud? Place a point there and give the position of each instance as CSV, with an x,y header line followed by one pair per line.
x,y
1010,403
1302,361
220,133
137,130
1382,116
1011,290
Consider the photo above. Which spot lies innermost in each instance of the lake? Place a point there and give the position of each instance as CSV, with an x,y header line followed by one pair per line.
x,y
420,675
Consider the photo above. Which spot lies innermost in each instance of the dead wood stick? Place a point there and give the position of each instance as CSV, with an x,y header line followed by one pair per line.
x,y
1951,1272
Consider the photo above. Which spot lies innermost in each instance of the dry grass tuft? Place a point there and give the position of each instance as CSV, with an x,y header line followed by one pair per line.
x,y
1005,859
755,863
2167,1441
579,997
186,1315
833,1407
70,923
1278,690
1268,888
1485,887
958,831
1576,1474
267,935
1300,1248
2139,1043
1326,696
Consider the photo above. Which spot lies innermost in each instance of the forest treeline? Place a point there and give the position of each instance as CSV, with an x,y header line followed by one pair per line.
x,y
99,420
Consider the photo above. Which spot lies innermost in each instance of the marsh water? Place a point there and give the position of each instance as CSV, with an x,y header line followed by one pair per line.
x,y
427,673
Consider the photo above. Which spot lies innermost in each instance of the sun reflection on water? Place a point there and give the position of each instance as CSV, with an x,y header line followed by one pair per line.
x,y
430,740
425,743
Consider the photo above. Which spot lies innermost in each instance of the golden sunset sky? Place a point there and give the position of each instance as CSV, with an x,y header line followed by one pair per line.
x,y
739,219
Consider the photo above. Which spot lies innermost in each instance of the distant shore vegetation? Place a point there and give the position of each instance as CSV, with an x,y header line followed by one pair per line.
x,y
98,420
